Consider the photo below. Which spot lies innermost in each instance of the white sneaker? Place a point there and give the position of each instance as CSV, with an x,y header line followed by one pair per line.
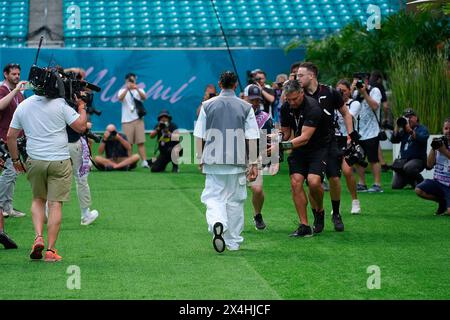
x,y
144,164
356,207
233,248
16,213
5,214
85,221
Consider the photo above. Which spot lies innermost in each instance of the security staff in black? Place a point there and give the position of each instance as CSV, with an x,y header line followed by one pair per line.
x,y
303,116
329,100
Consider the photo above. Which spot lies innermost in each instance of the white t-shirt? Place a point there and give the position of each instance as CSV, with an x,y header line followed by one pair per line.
x,y
251,132
368,123
129,112
354,107
44,122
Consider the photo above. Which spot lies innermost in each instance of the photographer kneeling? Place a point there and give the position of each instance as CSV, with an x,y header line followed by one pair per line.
x,y
413,150
117,151
438,188
167,140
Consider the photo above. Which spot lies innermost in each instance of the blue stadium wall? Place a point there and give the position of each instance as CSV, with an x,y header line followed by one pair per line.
x,y
173,79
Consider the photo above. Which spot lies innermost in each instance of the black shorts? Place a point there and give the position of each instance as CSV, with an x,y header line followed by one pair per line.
x,y
308,162
370,148
334,159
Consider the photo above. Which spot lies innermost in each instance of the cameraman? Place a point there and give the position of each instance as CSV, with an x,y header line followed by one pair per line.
x,y
48,166
132,126
268,94
438,188
167,140
117,151
413,150
10,97
368,127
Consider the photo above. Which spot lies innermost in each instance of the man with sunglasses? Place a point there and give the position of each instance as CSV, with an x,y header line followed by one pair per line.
x,y
10,97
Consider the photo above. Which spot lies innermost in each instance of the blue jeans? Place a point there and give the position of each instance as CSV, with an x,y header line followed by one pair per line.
x,y
7,185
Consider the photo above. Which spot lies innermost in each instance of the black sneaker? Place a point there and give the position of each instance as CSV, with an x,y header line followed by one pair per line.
x,y
7,242
337,221
319,221
218,242
175,169
259,222
442,208
302,231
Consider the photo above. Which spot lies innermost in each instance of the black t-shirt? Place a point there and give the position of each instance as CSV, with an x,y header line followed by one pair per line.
x,y
72,135
309,114
164,136
114,149
329,99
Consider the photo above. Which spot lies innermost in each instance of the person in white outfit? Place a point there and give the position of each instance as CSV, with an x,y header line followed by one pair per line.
x,y
224,124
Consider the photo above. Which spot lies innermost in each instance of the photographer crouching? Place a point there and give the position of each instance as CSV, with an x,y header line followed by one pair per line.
x,y
413,137
44,117
438,188
167,141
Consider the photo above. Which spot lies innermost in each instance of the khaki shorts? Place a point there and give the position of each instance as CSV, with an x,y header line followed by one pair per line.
x,y
50,180
135,131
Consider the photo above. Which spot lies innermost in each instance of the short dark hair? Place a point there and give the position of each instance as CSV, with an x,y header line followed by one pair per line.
x,y
344,82
295,66
10,66
129,75
260,71
292,86
228,79
376,75
311,67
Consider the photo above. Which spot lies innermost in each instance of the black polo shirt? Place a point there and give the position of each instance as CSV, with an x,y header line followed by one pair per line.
x,y
309,114
329,99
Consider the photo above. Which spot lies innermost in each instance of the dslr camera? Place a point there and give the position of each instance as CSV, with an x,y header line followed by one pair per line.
x,y
402,122
360,76
436,143
4,154
354,154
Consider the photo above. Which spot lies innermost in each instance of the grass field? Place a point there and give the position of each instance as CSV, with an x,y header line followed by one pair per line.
x,y
151,242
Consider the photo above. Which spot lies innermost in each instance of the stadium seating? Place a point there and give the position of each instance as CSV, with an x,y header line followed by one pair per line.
x,y
193,23
13,23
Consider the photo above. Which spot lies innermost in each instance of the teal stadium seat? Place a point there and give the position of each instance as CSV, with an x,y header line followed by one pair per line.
x,y
193,23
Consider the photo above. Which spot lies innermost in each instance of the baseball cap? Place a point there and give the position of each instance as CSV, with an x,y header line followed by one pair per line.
x,y
409,112
164,113
254,92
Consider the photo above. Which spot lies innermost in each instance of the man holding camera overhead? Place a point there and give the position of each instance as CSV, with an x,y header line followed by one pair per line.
x,y
413,137
48,166
132,125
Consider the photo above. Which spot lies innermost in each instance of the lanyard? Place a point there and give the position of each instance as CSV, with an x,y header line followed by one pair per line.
x,y
16,99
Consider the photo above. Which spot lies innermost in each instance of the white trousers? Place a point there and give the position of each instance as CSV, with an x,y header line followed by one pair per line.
x,y
224,196
83,191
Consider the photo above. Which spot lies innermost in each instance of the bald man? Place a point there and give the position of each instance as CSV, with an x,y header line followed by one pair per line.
x,y
117,151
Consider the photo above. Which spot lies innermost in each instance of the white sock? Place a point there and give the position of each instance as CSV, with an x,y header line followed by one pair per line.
x,y
85,212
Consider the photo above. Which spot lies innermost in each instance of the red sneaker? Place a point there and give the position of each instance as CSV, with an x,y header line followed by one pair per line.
x,y
38,247
51,255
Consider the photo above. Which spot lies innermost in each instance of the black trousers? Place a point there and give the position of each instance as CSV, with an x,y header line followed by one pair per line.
x,y
164,158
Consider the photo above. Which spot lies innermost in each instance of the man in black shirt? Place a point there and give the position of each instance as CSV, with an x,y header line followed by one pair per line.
x,y
117,151
168,139
329,100
303,116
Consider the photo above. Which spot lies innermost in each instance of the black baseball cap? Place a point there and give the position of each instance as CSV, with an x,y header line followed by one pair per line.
x,y
409,112
254,92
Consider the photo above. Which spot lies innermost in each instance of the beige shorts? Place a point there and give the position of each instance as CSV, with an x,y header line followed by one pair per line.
x,y
135,131
50,180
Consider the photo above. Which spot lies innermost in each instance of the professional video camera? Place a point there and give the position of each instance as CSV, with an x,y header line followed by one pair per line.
x,y
436,143
354,154
52,82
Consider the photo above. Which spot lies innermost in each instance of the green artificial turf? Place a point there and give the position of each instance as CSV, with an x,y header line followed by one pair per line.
x,y
151,242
